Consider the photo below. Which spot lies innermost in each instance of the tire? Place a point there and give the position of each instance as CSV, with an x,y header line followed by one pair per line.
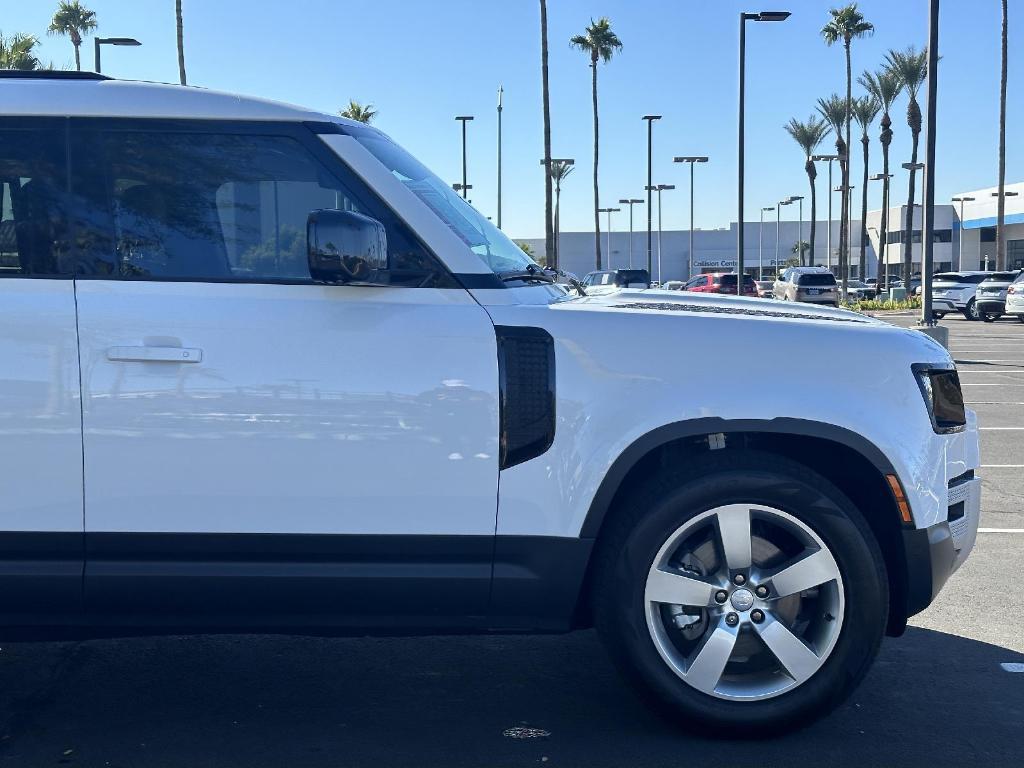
x,y
848,615
1020,318
990,317
971,311
938,315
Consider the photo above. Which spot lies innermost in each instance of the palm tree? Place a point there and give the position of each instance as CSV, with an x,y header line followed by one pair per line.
x,y
911,68
181,42
1001,200
809,135
865,110
885,87
546,103
599,43
525,247
560,170
847,23
361,113
73,19
801,247
833,109
16,52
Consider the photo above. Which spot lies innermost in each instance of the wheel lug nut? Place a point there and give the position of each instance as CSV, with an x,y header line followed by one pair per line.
x,y
739,579
757,616
732,619
761,592
721,596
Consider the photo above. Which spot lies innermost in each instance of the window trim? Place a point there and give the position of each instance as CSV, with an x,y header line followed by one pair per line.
x,y
305,133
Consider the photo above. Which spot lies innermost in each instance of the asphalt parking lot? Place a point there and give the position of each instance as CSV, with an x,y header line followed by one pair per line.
x,y
939,696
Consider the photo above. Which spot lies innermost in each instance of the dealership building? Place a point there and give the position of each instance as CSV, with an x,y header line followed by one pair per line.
x,y
772,244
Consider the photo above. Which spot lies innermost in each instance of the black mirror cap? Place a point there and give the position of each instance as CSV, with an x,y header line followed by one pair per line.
x,y
345,246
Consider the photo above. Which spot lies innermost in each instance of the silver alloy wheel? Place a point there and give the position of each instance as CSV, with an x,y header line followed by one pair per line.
x,y
744,602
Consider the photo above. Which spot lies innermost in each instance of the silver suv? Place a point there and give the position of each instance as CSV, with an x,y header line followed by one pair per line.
x,y
1015,298
990,297
813,285
954,292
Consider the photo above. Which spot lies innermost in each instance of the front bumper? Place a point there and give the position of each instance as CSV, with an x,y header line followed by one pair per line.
x,y
934,553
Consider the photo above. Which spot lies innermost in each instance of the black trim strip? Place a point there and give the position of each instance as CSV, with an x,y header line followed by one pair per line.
x,y
709,426
473,281
526,393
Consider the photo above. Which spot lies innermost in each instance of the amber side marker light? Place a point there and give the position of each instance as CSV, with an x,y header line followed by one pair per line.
x,y
901,499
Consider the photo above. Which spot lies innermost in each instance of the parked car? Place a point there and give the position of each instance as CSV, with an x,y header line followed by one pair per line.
x,y
1015,298
609,280
955,292
720,282
764,288
991,295
813,285
857,290
283,378
673,285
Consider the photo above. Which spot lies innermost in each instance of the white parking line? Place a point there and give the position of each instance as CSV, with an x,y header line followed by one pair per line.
x,y
1000,429
1012,666
1001,530
1002,466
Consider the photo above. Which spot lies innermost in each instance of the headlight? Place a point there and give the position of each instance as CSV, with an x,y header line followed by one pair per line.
x,y
943,397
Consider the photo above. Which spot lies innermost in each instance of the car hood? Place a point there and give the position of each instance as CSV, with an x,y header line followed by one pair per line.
x,y
691,303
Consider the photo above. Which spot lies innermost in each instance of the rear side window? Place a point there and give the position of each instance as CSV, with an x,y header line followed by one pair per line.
x,y
817,279
729,281
33,184
180,205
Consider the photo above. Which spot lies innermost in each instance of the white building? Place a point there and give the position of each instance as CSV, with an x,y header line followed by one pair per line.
x,y
767,246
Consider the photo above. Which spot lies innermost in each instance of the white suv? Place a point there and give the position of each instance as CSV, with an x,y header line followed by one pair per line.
x,y
956,292
1015,298
263,371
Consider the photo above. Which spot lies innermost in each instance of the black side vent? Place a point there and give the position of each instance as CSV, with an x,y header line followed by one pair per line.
x,y
526,377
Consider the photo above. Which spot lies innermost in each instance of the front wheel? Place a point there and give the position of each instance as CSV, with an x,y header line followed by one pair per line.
x,y
746,594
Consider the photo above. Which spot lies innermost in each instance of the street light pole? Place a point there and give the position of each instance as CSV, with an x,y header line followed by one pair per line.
x,y
928,225
800,230
960,247
659,188
501,91
631,202
744,18
778,225
608,231
98,41
691,159
760,232
650,183
464,119
828,232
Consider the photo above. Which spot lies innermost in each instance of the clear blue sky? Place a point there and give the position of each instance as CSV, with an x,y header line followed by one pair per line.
x,y
421,63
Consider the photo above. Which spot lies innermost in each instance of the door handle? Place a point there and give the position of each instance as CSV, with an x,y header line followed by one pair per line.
x,y
155,355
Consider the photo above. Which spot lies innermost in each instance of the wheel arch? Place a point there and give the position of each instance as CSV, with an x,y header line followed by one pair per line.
x,y
849,460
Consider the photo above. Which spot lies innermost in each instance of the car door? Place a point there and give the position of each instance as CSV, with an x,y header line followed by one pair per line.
x,y
261,449
40,407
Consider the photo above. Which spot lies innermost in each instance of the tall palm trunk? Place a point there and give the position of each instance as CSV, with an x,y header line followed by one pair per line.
x,y
865,141
1001,200
76,40
812,174
914,121
545,98
597,195
883,235
181,42
844,238
558,222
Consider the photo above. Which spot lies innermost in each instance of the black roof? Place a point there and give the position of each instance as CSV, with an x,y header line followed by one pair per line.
x,y
49,74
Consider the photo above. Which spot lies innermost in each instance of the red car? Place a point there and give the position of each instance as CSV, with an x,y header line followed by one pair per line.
x,y
721,282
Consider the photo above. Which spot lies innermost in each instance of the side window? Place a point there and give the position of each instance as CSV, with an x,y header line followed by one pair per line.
x,y
219,206
33,180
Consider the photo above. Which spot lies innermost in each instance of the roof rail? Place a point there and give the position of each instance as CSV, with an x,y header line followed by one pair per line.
x,y
49,74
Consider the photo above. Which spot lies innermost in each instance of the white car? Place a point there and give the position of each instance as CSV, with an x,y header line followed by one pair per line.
x,y
263,371
611,280
1015,298
955,292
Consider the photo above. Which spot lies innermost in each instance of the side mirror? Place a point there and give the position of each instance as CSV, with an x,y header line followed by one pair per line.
x,y
344,246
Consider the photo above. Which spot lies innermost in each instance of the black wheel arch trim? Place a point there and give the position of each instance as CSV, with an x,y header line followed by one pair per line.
x,y
668,433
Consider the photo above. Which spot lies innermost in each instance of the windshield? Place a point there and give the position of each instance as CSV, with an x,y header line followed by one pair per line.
x,y
469,225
